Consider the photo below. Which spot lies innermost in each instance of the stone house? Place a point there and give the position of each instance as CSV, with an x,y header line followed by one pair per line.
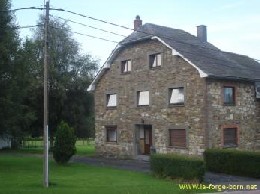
x,y
166,89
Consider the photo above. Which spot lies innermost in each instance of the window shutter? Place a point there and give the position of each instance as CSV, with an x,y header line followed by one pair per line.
x,y
230,137
159,59
129,66
178,137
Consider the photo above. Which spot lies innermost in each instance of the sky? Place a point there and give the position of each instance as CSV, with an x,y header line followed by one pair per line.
x,y
232,25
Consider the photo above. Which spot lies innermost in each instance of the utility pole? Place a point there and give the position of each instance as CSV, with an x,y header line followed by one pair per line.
x,y
45,96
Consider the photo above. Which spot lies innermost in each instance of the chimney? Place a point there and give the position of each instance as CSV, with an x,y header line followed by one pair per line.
x,y
202,33
137,22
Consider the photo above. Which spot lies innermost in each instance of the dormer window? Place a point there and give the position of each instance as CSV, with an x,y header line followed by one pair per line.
x,y
126,66
155,60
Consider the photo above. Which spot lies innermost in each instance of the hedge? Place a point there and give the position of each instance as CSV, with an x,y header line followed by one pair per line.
x,y
234,162
177,166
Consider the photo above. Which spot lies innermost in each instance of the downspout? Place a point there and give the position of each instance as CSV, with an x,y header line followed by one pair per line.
x,y
206,116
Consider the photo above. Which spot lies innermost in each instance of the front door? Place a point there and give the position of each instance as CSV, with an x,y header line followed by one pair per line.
x,y
147,138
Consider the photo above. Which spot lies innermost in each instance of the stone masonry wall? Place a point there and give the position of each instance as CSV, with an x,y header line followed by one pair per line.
x,y
173,72
244,115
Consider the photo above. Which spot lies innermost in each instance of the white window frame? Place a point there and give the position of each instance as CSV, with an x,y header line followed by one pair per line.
x,y
126,66
176,98
111,100
143,98
155,60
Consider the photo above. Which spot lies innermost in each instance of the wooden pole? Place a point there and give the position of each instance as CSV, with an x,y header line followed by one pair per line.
x,y
46,142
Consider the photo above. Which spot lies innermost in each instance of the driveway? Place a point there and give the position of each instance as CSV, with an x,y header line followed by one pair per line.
x,y
133,165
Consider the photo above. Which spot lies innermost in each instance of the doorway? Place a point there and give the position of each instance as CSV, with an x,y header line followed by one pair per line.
x,y
144,139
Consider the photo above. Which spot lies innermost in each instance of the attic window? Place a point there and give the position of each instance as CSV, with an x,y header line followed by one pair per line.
x,y
126,66
176,96
111,100
143,98
229,95
155,60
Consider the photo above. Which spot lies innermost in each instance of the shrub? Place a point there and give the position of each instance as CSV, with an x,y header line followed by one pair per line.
x,y
233,162
64,146
177,166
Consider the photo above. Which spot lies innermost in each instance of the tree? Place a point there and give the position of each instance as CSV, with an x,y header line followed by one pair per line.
x,y
70,72
64,146
15,116
8,47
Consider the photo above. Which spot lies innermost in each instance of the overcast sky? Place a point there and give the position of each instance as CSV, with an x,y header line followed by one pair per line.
x,y
233,25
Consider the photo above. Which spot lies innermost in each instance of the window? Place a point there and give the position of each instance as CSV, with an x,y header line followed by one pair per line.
x,y
229,95
111,100
126,66
176,96
230,137
143,98
178,137
155,60
111,134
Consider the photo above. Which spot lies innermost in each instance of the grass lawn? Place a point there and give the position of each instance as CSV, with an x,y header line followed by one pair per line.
x,y
84,148
21,174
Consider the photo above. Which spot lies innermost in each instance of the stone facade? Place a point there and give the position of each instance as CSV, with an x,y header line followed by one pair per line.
x,y
202,115
244,115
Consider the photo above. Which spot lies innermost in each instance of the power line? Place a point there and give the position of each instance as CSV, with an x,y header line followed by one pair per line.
x,y
23,27
100,29
95,37
88,35
124,27
23,8
85,16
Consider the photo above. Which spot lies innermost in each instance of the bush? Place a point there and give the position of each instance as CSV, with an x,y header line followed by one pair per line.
x,y
64,146
234,162
177,166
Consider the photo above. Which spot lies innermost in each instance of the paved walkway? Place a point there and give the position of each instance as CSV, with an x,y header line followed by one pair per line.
x,y
134,165
142,165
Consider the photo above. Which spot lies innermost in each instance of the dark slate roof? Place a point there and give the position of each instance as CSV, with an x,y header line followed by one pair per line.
x,y
207,59
205,56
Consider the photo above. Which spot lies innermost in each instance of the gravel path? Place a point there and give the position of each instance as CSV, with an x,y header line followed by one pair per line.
x,y
134,165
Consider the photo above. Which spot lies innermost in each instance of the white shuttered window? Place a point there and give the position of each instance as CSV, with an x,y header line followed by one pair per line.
x,y
111,100
143,98
177,95
155,60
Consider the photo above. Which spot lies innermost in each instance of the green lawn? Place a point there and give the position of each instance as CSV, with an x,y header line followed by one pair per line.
x,y
85,148
22,174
